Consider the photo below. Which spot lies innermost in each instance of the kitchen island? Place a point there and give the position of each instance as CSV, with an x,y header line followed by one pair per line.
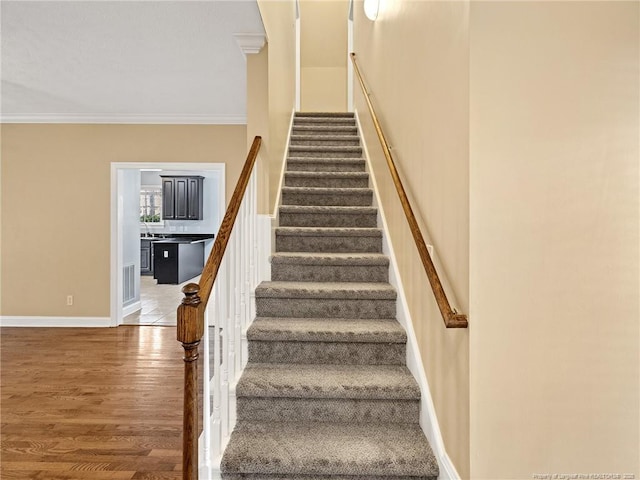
x,y
178,259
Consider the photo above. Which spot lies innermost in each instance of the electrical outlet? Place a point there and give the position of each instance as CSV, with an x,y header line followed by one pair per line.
x,y
69,300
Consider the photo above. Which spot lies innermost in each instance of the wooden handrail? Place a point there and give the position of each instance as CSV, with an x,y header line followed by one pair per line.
x,y
190,318
452,319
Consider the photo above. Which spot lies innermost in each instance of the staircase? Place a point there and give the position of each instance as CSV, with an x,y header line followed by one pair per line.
x,y
326,393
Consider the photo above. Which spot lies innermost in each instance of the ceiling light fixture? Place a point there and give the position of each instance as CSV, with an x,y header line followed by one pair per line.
x,y
371,8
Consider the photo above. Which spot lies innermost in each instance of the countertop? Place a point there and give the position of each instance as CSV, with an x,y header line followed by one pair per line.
x,y
180,238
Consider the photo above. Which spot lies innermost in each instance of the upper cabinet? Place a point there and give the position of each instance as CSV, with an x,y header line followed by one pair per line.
x,y
182,197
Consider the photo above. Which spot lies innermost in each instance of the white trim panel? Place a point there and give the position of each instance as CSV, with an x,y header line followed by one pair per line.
x,y
66,322
283,169
298,61
428,417
116,262
159,119
129,309
350,104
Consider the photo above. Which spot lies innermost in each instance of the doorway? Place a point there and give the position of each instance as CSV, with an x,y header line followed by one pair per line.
x,y
127,227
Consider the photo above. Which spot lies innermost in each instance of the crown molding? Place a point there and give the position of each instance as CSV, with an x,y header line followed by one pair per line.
x,y
186,119
250,43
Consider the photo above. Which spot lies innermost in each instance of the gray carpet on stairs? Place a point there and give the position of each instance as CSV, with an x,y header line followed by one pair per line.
x,y
326,394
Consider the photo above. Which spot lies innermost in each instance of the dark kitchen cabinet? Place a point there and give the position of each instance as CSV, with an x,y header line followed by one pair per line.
x,y
182,197
146,257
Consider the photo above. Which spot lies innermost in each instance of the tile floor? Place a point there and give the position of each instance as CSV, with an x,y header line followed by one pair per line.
x,y
159,303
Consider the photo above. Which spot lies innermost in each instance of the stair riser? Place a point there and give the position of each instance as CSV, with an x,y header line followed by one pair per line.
x,y
260,476
324,130
327,220
325,182
337,166
290,243
350,122
303,114
325,308
335,353
359,199
329,273
271,409
322,152
330,141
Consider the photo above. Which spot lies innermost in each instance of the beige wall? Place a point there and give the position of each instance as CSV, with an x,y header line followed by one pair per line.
x,y
258,120
279,18
323,55
554,238
415,59
515,127
324,89
56,204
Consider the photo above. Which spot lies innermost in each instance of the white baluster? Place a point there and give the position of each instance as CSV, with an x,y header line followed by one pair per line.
x,y
216,450
254,247
206,389
247,273
232,305
243,263
228,350
223,360
236,300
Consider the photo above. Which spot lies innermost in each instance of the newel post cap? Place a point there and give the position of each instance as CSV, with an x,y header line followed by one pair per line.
x,y
190,315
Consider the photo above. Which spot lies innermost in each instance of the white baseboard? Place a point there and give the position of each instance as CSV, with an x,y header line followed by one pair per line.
x,y
20,321
129,309
428,417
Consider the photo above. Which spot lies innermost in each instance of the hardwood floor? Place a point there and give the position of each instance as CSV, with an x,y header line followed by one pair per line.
x,y
93,404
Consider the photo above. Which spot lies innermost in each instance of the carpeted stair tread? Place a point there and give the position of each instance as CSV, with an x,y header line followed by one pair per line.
x,y
327,330
328,239
329,231
327,190
325,138
326,164
323,121
326,159
326,129
325,150
347,196
324,114
301,178
336,259
328,216
329,267
327,381
327,175
331,209
291,448
326,290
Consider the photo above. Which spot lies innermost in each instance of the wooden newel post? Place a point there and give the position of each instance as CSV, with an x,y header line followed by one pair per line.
x,y
190,332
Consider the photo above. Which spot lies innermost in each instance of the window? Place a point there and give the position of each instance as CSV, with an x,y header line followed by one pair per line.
x,y
151,204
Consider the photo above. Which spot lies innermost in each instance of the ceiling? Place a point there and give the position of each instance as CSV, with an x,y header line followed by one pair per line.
x,y
125,61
